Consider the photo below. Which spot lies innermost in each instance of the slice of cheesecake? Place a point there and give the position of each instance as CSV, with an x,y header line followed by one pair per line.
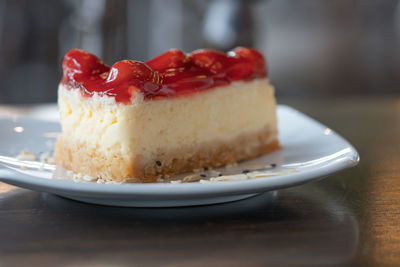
x,y
169,115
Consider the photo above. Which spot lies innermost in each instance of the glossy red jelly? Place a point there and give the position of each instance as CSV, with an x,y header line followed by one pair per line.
x,y
172,73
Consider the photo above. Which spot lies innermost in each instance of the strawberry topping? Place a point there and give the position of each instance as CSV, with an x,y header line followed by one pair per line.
x,y
170,74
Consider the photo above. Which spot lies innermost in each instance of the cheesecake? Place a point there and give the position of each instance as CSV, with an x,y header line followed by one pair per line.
x,y
169,115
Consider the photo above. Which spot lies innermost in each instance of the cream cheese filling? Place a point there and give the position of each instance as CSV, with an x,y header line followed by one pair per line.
x,y
146,126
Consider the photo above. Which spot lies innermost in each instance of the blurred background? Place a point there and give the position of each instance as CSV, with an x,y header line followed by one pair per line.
x,y
313,48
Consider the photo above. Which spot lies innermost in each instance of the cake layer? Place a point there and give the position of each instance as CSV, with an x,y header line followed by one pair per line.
x,y
131,139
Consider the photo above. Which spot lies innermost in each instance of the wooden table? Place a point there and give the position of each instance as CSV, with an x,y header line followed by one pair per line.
x,y
350,218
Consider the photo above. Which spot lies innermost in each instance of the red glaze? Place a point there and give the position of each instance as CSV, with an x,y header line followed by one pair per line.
x,y
170,74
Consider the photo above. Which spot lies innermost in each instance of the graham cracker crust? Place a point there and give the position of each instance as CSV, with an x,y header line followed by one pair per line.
x,y
91,160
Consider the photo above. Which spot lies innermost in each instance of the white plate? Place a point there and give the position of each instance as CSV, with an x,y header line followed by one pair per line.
x,y
309,151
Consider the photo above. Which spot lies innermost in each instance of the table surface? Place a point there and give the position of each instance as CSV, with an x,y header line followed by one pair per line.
x,y
349,218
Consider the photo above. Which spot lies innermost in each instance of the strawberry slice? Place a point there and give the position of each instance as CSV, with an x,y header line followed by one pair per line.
x,y
130,71
239,70
80,62
127,76
213,61
253,56
171,59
